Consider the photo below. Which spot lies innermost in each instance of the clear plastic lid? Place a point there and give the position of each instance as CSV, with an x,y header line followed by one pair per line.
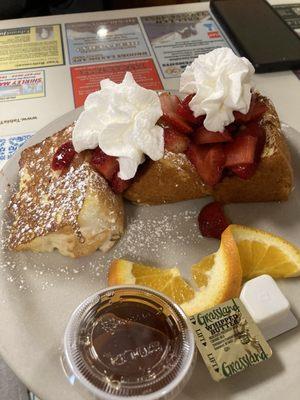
x,y
128,341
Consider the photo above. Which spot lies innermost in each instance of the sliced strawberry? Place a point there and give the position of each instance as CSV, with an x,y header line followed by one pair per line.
x,y
200,120
215,161
165,102
241,150
256,110
169,104
256,130
175,101
191,118
203,136
195,155
208,160
106,165
187,99
245,171
119,185
232,128
176,122
175,142
63,156
186,113
212,220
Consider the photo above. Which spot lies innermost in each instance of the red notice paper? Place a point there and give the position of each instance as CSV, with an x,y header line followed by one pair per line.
x,y
86,79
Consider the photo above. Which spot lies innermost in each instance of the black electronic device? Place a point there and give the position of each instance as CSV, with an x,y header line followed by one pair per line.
x,y
255,30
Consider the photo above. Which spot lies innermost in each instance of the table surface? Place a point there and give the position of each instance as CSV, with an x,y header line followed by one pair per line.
x,y
57,89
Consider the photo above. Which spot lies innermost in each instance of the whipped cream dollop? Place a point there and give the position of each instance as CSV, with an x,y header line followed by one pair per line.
x,y
121,120
221,82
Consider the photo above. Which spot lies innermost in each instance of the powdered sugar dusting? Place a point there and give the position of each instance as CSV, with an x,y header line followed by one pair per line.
x,y
162,236
153,236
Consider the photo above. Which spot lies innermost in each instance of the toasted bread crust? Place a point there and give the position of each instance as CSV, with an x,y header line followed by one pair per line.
x,y
174,178
171,179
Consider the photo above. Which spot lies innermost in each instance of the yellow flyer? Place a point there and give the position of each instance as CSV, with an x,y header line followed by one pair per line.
x,y
29,47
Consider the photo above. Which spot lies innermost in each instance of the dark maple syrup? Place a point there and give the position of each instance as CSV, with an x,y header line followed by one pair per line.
x,y
130,342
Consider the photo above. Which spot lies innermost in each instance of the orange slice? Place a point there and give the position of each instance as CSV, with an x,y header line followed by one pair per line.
x,y
167,281
217,278
264,253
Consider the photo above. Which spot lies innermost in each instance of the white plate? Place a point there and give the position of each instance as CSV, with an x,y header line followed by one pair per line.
x,y
39,291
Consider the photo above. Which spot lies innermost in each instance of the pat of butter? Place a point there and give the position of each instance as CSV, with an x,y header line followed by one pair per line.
x,y
268,307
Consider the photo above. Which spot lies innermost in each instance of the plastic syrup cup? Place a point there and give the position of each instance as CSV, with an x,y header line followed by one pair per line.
x,y
128,341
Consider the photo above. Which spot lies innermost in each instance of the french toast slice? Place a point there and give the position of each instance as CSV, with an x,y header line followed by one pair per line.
x,y
174,178
74,211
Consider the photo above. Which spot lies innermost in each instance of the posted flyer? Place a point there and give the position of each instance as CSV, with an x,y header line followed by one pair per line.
x,y
86,79
105,41
30,99
29,47
177,39
22,85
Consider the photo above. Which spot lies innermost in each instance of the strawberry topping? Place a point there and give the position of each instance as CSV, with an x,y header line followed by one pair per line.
x,y
256,110
244,171
186,113
247,170
108,166
175,142
208,160
236,151
187,99
212,220
118,185
63,156
241,150
256,130
169,105
232,128
238,148
203,136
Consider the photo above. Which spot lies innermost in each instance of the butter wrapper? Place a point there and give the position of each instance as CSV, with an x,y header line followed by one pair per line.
x,y
228,339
